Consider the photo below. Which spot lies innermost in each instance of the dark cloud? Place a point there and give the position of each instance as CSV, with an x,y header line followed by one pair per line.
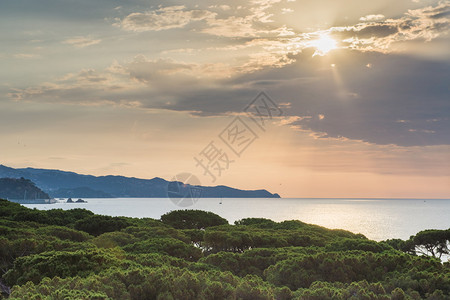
x,y
398,100
208,102
369,96
54,9
442,14
365,31
378,98
376,31
425,23
364,103
163,19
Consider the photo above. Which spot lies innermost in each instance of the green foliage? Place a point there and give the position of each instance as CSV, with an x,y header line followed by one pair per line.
x,y
169,246
432,242
156,260
196,236
11,249
257,222
22,239
347,244
51,217
75,254
63,233
97,224
192,219
398,244
114,239
344,267
145,232
255,261
8,208
156,283
32,216
63,264
239,238
319,290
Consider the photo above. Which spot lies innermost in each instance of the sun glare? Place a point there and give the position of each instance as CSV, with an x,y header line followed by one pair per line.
x,y
323,44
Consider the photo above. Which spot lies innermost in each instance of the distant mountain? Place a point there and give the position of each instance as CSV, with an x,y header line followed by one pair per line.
x,y
59,183
20,189
79,192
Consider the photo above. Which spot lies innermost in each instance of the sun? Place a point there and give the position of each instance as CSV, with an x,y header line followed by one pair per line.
x,y
323,44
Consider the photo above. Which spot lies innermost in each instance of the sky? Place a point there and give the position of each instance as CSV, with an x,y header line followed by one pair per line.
x,y
305,98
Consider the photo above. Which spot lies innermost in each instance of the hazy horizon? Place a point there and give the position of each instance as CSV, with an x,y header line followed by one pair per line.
x,y
356,101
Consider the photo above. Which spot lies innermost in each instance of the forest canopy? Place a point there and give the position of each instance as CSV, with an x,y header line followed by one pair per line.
x,y
191,254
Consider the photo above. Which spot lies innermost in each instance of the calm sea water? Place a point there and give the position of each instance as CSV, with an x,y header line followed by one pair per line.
x,y
378,219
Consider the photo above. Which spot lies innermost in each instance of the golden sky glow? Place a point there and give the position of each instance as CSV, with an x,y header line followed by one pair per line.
x,y
140,88
323,44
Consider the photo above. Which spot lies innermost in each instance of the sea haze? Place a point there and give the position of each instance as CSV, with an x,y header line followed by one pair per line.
x,y
377,219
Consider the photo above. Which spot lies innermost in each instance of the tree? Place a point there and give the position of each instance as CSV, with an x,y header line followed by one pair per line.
x,y
98,224
432,242
169,246
63,264
260,259
192,219
257,222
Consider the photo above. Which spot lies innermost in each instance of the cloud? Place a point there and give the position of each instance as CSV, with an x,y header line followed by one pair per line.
x,y
357,92
222,7
370,18
397,94
389,103
26,55
356,103
287,10
231,27
219,20
255,22
142,82
163,19
257,27
272,46
162,73
261,60
374,35
87,87
81,41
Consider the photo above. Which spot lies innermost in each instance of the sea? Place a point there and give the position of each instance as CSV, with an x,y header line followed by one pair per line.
x,y
377,219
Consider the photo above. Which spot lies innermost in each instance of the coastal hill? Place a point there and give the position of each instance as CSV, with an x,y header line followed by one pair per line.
x,y
69,184
20,189
79,192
